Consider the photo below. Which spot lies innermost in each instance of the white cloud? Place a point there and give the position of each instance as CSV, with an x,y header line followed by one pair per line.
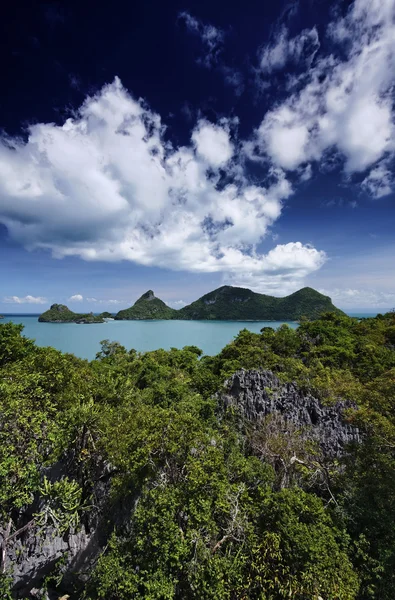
x,y
212,143
303,46
349,297
306,173
212,38
107,186
283,270
103,301
25,300
344,102
275,56
76,298
286,138
379,182
177,303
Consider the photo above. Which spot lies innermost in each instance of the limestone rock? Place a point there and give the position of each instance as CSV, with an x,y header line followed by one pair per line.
x,y
256,394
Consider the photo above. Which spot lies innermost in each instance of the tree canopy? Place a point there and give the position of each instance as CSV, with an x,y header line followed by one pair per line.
x,y
194,506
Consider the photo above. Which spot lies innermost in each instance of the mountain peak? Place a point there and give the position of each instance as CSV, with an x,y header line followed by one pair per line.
x,y
147,296
60,308
148,306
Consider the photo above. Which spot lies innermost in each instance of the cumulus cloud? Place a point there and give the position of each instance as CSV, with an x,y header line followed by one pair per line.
x,y
25,300
212,143
343,103
107,186
212,38
349,297
283,270
76,298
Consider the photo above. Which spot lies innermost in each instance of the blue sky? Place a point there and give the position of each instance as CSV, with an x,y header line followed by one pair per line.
x,y
179,146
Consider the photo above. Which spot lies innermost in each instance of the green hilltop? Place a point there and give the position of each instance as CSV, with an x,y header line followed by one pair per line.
x,y
234,304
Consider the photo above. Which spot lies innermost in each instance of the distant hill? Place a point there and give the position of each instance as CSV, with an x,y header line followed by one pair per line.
x,y
147,307
60,313
234,304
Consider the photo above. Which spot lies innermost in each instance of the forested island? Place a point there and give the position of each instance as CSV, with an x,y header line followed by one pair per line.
x,y
234,304
226,303
265,472
60,313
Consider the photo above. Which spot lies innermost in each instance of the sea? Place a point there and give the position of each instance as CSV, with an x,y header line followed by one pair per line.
x,y
84,340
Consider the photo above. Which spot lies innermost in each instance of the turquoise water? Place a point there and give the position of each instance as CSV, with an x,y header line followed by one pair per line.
x,y
84,340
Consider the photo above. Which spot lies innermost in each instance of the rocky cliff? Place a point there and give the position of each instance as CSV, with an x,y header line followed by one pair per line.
x,y
257,394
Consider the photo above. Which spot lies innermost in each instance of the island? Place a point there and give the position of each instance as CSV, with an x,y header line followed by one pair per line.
x,y
226,303
147,307
229,303
60,313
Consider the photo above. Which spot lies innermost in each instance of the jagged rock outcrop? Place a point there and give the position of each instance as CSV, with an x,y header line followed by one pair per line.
x,y
33,556
256,394
36,551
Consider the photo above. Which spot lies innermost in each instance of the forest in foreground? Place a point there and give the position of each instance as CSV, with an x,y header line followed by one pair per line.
x,y
265,472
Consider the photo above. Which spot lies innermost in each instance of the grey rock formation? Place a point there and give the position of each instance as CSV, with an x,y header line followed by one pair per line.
x,y
256,394
33,554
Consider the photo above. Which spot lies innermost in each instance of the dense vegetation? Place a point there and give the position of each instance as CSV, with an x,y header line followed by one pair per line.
x,y
195,506
59,313
235,304
148,306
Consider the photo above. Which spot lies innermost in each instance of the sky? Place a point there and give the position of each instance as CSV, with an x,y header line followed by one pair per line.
x,y
179,146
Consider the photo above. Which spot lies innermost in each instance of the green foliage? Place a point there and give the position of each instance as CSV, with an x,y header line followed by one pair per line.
x,y
13,345
209,510
35,392
303,554
62,505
